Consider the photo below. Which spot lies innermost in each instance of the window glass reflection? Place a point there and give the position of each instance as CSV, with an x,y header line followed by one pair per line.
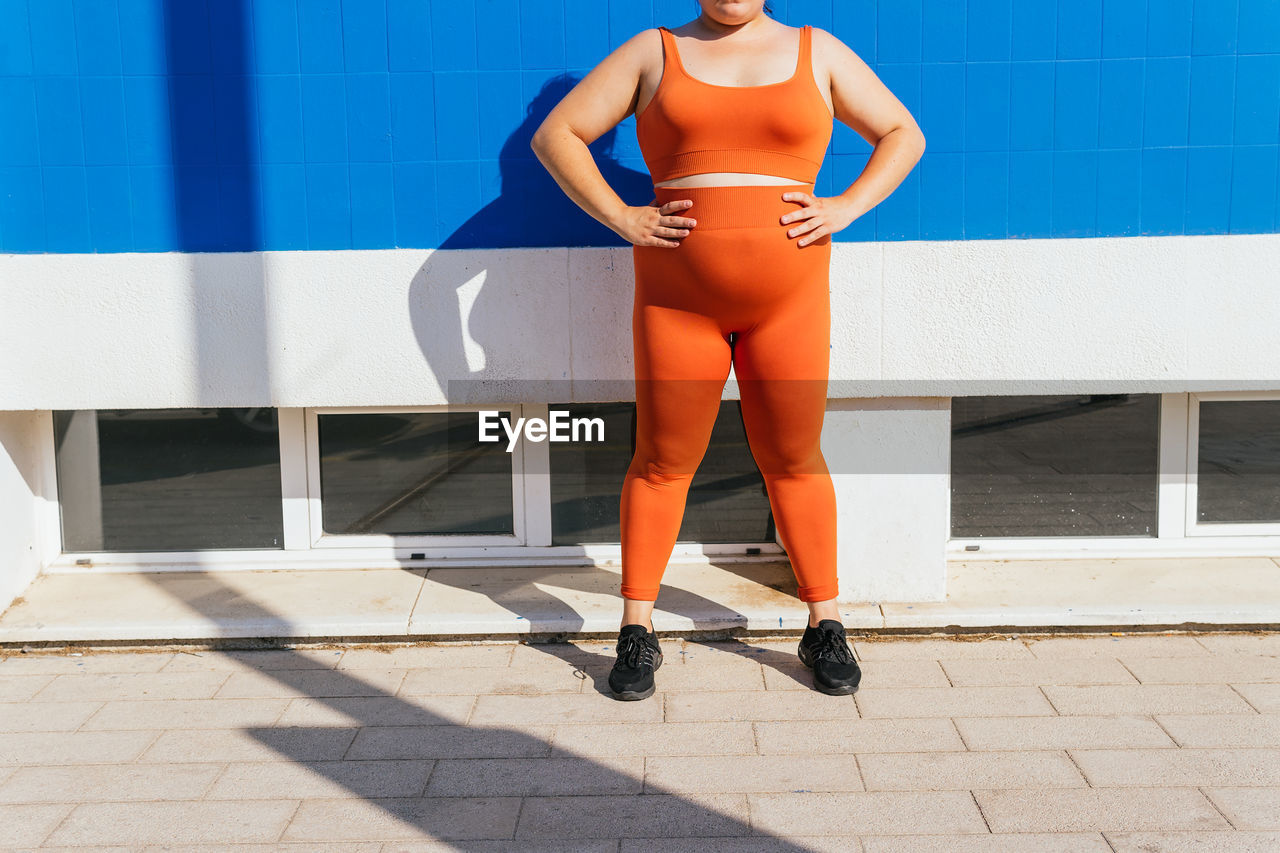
x,y
410,473
727,502
168,479
1054,465
1238,461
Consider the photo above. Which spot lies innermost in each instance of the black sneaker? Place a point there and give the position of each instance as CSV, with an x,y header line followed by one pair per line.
x,y
639,656
825,650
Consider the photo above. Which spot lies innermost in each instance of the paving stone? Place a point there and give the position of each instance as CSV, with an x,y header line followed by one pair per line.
x,y
470,741
970,673
903,648
952,701
434,818
227,822
589,845
528,681
583,652
1055,648
249,660
708,655
750,773
1223,730
552,776
91,662
311,682
96,782
254,744
587,707
449,656
24,825
1248,808
748,844
124,715
992,733
45,716
1233,643
322,779
1014,842
1146,699
797,737
876,674
1229,841
713,738
1179,767
40,748
307,847
1102,809
945,771
1218,669
130,685
707,675
341,847
866,813
632,816
20,688
766,705
1263,697
341,711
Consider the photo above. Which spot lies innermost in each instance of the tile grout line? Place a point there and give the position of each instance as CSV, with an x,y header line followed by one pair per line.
x,y
973,795
288,823
1200,789
1155,718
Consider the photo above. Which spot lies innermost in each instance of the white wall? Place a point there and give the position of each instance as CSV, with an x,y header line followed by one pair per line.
x,y
890,460
24,489
392,327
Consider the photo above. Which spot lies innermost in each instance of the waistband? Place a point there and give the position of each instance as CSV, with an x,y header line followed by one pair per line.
x,y
745,206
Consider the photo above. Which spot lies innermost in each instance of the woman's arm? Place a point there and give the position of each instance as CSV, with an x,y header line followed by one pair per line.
x,y
865,104
861,101
600,100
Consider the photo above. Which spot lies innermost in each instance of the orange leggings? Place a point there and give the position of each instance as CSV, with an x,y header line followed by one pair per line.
x,y
736,271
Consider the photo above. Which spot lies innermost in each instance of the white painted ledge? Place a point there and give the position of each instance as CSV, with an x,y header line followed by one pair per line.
x,y
513,602
418,327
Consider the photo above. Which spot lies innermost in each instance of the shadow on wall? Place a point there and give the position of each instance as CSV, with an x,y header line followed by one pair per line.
x,y
478,323
216,178
531,210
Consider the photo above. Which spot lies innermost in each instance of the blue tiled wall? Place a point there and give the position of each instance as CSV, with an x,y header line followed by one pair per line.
x,y
216,125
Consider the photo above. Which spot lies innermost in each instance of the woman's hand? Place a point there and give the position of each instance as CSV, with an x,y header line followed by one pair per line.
x,y
650,224
821,216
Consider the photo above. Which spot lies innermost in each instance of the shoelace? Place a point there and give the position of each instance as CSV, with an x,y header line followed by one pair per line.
x,y
831,645
633,651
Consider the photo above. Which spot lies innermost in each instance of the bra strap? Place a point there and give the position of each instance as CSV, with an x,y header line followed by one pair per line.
x,y
669,56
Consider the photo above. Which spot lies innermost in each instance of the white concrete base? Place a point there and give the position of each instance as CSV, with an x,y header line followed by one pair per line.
x,y
996,593
512,602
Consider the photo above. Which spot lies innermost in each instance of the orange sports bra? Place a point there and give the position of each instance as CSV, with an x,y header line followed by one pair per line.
x,y
690,126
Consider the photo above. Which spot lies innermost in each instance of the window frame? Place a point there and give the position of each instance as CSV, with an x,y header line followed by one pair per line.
x,y
1177,534
1193,526
305,546
318,539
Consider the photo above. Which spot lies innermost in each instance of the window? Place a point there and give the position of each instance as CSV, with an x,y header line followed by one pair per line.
x,y
168,479
727,501
1054,465
413,473
1237,461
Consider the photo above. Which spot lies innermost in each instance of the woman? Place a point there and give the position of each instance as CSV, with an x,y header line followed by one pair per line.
x,y
733,115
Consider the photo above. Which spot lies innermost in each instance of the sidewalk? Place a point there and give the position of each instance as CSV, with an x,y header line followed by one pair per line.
x,y
1022,743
